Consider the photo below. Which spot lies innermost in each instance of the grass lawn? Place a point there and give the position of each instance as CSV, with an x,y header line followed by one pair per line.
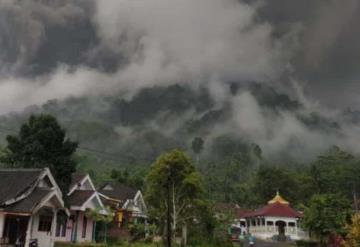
x,y
136,244
103,245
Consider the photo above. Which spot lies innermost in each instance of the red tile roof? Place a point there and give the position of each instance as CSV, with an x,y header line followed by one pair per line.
x,y
240,212
276,210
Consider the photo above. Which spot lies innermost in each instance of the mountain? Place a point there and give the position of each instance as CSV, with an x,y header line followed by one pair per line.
x,y
115,130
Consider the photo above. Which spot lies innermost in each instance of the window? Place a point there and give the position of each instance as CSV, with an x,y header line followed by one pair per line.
x,y
44,223
84,227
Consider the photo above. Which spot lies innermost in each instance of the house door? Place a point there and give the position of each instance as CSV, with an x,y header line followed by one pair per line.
x,y
15,229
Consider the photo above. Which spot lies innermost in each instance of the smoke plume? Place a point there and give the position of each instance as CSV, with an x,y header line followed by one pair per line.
x,y
57,49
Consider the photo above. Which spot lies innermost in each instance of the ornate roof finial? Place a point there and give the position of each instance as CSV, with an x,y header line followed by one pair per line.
x,y
278,199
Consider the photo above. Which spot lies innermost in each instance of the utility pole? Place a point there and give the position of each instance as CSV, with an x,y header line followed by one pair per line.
x,y
168,210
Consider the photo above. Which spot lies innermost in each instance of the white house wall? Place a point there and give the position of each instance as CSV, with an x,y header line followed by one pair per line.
x,y
267,232
44,238
93,204
89,228
2,224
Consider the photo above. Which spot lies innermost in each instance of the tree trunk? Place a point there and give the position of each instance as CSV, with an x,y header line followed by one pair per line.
x,y
184,235
174,211
168,220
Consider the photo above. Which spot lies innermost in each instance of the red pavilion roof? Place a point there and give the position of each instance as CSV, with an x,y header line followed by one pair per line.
x,y
241,213
276,210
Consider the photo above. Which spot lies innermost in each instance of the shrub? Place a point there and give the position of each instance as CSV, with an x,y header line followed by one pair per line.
x,y
65,244
137,231
306,243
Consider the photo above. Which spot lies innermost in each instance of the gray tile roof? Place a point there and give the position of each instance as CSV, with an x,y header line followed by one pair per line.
x,y
76,178
14,182
79,197
28,204
119,191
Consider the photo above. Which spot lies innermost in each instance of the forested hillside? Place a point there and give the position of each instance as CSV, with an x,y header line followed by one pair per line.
x,y
120,133
157,119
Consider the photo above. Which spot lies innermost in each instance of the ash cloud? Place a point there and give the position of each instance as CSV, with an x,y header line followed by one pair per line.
x,y
157,42
55,49
37,36
327,51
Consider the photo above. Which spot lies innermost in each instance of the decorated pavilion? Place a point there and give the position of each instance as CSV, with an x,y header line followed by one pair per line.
x,y
277,220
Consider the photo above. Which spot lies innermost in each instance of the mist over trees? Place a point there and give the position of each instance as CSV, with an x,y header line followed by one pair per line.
x,y
158,119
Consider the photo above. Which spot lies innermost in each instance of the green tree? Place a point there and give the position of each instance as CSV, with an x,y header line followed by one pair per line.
x,y
326,214
41,142
336,172
270,179
173,173
133,178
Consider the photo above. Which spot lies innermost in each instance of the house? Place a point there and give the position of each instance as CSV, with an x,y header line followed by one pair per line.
x,y
275,220
82,198
30,201
127,203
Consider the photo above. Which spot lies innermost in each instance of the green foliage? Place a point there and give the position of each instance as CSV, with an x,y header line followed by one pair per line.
x,y
134,179
137,231
202,229
98,216
306,243
336,171
326,214
270,179
225,176
41,142
295,186
173,173
63,244
175,167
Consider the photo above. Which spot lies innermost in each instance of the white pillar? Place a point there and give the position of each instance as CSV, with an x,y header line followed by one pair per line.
x,y
265,226
2,224
53,227
29,231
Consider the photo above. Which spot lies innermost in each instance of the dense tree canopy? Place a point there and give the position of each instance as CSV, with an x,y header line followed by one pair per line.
x,y
326,214
41,142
